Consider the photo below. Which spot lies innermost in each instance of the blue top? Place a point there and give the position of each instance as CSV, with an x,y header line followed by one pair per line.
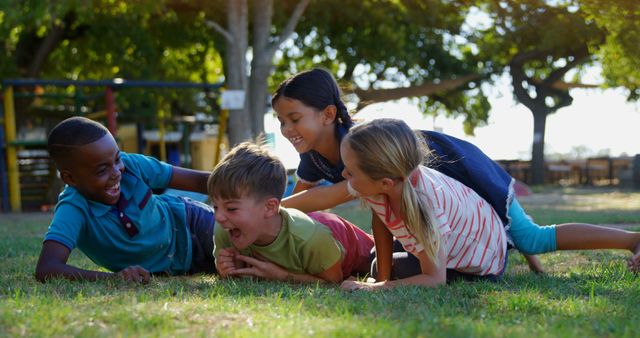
x,y
314,167
453,157
161,243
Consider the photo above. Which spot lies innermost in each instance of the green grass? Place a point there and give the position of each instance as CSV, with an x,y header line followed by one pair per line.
x,y
586,294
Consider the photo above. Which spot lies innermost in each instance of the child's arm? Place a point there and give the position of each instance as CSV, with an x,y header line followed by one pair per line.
x,y
384,247
189,179
53,264
319,198
432,275
265,269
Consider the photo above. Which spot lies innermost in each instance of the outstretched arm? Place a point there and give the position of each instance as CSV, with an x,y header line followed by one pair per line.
x,y
53,264
317,198
265,269
189,179
432,275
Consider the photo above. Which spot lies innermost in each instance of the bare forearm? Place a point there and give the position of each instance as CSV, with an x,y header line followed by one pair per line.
x,y
303,278
189,180
318,198
419,280
53,271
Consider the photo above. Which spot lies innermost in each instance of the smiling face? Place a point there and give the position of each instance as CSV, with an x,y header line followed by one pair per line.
x,y
95,169
304,126
358,180
248,220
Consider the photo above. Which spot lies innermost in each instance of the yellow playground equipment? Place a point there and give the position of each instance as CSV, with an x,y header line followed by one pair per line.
x,y
26,171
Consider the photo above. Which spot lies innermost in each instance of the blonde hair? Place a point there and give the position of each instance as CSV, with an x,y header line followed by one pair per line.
x,y
388,148
249,169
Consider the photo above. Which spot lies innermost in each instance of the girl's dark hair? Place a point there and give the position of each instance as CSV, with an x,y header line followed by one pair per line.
x,y
315,88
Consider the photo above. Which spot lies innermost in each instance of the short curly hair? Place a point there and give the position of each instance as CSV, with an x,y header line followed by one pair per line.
x,y
70,134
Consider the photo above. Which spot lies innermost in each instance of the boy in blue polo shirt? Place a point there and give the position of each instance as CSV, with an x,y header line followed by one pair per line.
x,y
109,211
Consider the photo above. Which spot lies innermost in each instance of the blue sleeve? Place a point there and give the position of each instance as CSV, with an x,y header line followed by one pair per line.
x,y
66,226
156,174
307,170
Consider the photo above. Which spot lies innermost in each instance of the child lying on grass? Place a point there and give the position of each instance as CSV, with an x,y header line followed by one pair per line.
x,y
109,212
255,236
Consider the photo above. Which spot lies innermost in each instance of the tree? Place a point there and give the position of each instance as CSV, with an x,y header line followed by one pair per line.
x,y
620,55
108,39
539,44
248,32
387,50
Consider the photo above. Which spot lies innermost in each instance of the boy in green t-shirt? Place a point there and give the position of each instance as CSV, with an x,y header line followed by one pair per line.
x,y
257,237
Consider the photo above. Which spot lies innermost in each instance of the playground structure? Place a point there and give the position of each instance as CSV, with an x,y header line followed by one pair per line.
x,y
26,172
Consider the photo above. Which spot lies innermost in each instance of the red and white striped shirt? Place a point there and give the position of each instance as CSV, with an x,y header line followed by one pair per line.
x,y
471,230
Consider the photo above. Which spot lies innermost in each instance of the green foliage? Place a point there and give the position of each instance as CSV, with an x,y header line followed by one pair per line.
x,y
620,53
380,44
95,40
556,33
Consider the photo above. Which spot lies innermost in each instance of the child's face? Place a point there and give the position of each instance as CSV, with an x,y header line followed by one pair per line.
x,y
245,220
304,126
356,178
96,170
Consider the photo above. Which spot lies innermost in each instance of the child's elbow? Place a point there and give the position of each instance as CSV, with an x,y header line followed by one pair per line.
x,y
40,274
43,273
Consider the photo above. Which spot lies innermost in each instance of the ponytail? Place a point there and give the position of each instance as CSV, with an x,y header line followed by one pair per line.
x,y
419,221
342,114
388,148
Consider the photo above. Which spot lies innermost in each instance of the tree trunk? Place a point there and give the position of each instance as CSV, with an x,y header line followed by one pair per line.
x,y
236,68
537,153
260,64
249,122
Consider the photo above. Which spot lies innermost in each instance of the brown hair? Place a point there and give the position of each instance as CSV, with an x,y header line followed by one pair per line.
x,y
249,169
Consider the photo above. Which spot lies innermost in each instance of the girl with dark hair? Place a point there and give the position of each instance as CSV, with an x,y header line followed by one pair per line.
x,y
314,119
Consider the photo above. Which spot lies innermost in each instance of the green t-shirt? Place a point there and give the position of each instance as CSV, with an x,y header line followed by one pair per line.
x,y
302,246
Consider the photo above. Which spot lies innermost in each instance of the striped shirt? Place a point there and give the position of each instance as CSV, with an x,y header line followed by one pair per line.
x,y
471,231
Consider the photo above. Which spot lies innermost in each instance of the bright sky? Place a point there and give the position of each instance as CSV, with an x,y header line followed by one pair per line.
x,y
599,120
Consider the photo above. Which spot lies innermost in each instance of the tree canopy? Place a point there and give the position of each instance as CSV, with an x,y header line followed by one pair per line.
x,y
442,53
95,40
620,54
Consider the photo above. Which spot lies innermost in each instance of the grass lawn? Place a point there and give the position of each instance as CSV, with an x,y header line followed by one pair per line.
x,y
585,294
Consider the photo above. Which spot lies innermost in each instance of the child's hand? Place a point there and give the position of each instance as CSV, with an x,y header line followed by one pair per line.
x,y
134,273
354,285
226,262
261,267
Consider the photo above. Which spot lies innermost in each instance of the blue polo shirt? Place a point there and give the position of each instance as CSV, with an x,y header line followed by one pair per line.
x,y
162,244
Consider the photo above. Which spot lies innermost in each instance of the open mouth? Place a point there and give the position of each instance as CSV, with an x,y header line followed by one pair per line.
x,y
114,190
234,233
295,140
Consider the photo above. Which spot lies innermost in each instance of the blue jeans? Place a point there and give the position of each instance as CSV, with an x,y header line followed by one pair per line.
x,y
200,222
